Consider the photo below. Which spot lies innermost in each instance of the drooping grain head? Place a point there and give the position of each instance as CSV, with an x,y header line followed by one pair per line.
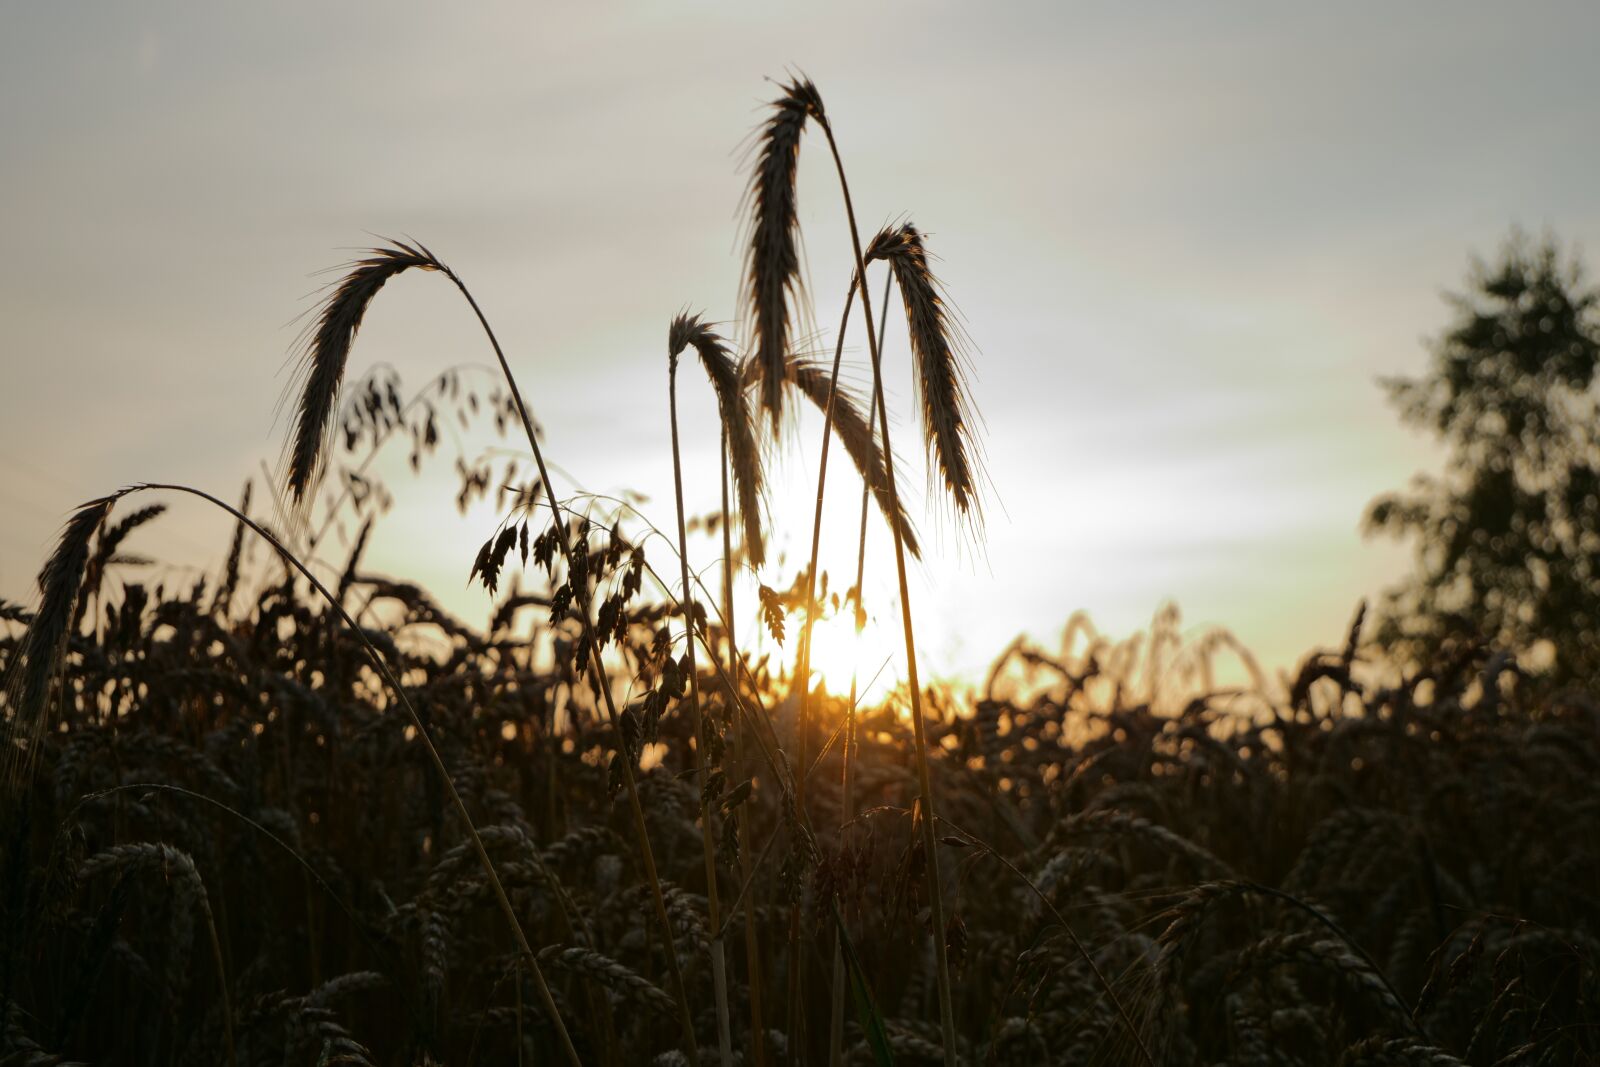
x,y
772,265
738,422
937,347
852,423
43,648
327,349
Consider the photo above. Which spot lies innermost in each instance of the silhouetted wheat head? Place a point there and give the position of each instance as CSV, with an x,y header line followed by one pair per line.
x,y
772,263
327,350
738,423
937,345
37,662
354,797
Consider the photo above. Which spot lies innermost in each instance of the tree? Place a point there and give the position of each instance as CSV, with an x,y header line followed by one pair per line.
x,y
1507,538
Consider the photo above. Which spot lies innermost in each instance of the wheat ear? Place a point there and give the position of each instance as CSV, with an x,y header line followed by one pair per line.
x,y
738,423
937,347
43,649
327,351
772,260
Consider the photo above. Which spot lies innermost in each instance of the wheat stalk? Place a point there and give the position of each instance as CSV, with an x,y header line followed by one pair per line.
x,y
847,807
772,271
772,276
62,589
919,732
724,375
752,941
325,360
222,602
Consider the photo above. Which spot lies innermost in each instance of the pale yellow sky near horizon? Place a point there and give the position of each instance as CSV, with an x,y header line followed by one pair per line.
x,y
1185,241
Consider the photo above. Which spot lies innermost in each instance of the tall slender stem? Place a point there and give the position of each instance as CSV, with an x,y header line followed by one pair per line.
x,y
767,743
708,844
598,678
847,810
752,942
803,660
289,558
802,670
929,837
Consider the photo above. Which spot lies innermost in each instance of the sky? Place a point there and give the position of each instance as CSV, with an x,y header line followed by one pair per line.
x,y
1185,240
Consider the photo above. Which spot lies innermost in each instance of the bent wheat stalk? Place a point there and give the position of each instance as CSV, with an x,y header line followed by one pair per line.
x,y
930,840
60,589
738,424
720,367
752,940
841,416
802,673
772,277
945,424
852,425
327,352
847,809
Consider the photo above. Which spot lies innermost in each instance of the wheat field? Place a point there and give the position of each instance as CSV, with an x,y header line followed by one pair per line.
x,y
301,814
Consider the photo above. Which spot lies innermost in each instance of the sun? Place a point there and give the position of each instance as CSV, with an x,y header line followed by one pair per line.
x,y
872,657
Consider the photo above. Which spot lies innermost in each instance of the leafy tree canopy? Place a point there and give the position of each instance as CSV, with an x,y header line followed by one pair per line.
x,y
1507,537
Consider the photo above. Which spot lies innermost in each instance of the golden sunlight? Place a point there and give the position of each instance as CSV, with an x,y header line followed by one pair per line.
x,y
873,658
501,644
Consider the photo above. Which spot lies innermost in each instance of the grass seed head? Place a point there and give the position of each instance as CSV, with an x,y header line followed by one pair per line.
x,y
738,422
937,346
39,659
327,350
772,263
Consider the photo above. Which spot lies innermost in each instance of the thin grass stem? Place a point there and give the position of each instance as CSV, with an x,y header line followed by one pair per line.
x,y
708,843
752,941
847,811
924,781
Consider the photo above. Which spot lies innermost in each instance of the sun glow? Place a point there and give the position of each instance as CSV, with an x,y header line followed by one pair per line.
x,y
874,657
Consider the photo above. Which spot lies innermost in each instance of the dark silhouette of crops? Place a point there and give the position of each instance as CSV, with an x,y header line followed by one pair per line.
x,y
271,818
1351,877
